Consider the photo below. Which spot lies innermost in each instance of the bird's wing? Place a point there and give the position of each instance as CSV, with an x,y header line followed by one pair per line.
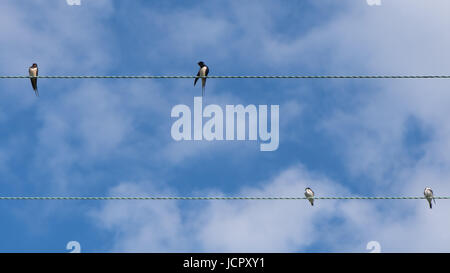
x,y
196,79
34,83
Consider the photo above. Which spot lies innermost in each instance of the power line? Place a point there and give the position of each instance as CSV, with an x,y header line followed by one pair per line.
x,y
207,198
240,77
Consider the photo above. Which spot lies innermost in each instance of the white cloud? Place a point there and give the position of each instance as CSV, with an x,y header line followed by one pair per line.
x,y
153,226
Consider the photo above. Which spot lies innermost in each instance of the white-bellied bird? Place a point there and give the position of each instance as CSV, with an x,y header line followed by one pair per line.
x,y
428,192
33,72
202,72
309,194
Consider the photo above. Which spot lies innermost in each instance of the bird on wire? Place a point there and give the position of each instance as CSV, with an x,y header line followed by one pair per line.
x,y
428,192
202,72
309,194
33,72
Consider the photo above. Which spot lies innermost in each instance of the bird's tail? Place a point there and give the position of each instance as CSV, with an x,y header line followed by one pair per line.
x,y
34,85
431,204
36,92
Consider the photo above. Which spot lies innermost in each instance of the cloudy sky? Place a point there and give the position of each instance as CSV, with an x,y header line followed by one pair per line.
x,y
111,137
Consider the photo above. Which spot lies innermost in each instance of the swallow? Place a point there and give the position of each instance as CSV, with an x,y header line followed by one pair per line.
x,y
33,72
428,192
203,72
310,195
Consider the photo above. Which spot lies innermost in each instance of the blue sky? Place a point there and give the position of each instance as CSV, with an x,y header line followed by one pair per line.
x,y
112,137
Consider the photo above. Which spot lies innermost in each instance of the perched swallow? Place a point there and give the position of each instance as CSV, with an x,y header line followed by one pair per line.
x,y
33,72
310,195
203,72
428,192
